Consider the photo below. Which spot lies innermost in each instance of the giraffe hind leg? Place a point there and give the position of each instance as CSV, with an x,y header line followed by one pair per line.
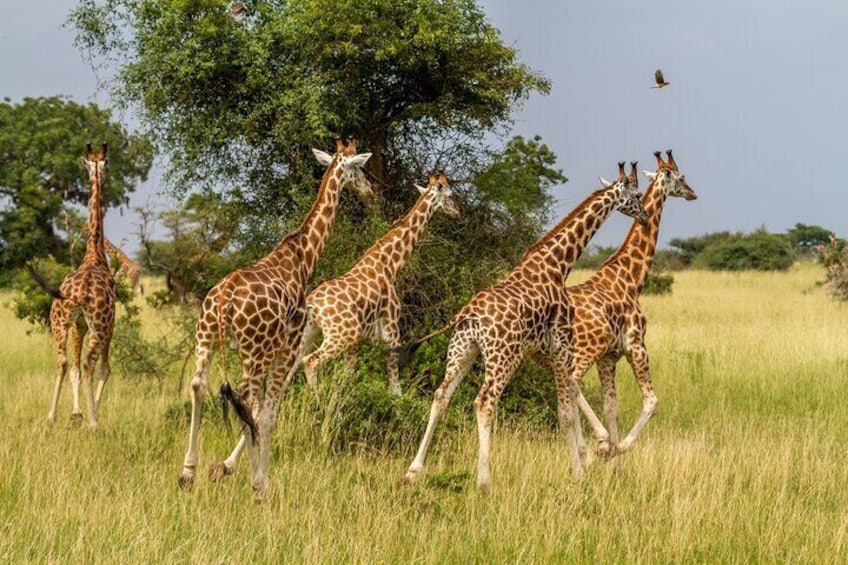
x,y
76,334
59,328
462,352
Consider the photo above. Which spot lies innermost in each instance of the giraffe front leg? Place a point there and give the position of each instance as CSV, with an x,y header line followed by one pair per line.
x,y
461,355
578,369
567,393
220,469
390,333
332,346
638,359
199,386
606,374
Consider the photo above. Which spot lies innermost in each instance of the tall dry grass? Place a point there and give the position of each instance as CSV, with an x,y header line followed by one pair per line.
x,y
745,460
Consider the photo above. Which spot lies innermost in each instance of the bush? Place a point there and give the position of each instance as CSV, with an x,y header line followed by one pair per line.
x,y
759,251
658,283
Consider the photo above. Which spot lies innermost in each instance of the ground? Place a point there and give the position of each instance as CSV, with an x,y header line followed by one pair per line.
x,y
745,460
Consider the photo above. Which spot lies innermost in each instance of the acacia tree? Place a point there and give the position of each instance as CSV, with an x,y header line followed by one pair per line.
x,y
423,84
41,174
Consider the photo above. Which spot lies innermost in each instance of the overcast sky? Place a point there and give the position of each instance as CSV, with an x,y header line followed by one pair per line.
x,y
755,112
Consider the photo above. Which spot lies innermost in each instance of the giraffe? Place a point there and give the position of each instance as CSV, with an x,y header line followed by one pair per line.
x,y
86,303
363,303
263,309
608,321
527,311
129,268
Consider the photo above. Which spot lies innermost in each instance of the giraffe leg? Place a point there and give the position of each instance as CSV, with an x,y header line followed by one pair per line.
x,y
638,359
332,346
60,336
606,374
499,369
220,469
310,337
578,369
199,385
567,392
77,334
390,333
105,371
253,392
279,381
351,356
462,352
92,354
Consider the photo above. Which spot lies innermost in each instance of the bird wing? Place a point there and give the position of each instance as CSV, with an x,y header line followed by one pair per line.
x,y
658,77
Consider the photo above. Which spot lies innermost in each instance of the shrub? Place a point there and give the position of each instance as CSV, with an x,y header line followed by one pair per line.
x,y
658,283
759,251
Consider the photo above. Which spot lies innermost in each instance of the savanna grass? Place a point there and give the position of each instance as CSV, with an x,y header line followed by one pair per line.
x,y
745,460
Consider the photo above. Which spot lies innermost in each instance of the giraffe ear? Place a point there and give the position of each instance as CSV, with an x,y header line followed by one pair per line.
x,y
651,175
323,158
421,189
605,182
358,160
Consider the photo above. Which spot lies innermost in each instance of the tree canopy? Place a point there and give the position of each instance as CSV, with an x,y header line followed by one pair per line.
x,y
236,103
42,141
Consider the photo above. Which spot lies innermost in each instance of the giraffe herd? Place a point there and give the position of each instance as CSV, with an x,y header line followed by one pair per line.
x,y
266,313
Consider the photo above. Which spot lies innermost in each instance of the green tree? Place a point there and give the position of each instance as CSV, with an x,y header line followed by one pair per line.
x,y
759,251
239,102
423,84
42,141
803,237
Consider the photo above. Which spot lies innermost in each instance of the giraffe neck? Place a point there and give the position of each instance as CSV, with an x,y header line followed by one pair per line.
x,y
557,251
636,254
315,228
94,246
394,248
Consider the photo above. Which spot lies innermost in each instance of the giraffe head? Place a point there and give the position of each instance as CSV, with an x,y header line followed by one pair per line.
x,y
669,178
348,166
441,192
626,196
95,163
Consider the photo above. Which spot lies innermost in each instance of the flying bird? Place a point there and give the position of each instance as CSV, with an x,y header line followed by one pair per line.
x,y
660,81
238,9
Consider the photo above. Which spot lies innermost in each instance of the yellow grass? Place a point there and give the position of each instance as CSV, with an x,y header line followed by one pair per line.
x,y
745,461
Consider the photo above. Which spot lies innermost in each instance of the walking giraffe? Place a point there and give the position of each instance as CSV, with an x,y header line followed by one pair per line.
x,y
363,303
86,303
528,311
608,321
263,309
129,268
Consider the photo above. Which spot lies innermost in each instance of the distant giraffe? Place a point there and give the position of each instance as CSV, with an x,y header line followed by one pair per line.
x,y
263,309
608,321
129,268
528,311
86,304
363,303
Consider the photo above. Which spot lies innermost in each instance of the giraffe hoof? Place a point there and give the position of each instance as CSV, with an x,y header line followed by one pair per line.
x,y
485,487
218,470
260,491
186,480
76,420
411,476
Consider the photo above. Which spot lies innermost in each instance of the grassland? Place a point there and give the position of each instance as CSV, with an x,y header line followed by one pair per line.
x,y
745,460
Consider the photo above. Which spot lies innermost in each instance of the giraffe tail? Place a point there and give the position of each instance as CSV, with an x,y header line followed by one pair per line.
x,y
42,282
227,394
404,352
